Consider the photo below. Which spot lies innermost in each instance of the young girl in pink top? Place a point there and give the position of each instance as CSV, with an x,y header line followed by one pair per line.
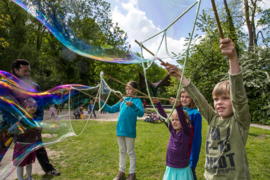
x,y
52,111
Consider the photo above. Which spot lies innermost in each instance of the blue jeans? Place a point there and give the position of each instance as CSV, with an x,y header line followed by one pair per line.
x,y
89,112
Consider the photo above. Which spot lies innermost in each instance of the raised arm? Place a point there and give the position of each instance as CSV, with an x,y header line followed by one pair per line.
x,y
237,90
181,116
174,71
161,111
204,108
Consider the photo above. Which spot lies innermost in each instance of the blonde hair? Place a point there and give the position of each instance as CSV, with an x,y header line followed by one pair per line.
x,y
192,104
187,116
222,88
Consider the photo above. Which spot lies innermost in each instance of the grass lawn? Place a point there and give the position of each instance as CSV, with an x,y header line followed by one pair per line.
x,y
94,154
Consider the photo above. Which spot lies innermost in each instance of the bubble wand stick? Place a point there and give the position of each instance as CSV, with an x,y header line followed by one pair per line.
x,y
217,19
153,55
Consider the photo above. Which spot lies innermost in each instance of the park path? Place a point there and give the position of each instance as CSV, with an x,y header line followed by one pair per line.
x,y
260,126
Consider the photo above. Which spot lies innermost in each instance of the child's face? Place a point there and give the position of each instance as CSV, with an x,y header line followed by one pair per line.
x,y
185,99
31,109
53,105
91,102
175,122
223,106
130,91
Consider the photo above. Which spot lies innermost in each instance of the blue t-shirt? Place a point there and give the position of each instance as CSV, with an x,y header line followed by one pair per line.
x,y
90,107
126,124
196,122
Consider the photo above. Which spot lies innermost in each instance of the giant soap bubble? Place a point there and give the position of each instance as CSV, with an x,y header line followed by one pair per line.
x,y
28,121
160,25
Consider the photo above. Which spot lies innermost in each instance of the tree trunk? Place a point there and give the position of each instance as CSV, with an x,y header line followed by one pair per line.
x,y
250,22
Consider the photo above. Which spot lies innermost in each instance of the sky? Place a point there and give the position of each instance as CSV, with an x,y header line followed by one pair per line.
x,y
142,19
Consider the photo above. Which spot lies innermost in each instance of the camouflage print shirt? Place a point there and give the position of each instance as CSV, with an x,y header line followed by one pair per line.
x,y
226,139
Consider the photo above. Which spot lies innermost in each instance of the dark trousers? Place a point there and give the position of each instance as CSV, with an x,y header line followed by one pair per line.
x,y
93,113
44,160
194,173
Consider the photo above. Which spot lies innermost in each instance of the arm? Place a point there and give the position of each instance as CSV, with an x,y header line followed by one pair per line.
x,y
111,109
162,113
138,108
181,116
239,100
205,109
197,139
237,90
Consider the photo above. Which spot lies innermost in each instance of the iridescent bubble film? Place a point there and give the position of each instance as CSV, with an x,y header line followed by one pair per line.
x,y
32,119
103,20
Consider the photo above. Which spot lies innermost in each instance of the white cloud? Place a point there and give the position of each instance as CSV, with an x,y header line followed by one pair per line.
x,y
139,27
130,5
265,4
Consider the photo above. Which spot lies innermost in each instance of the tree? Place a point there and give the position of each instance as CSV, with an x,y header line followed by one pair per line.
x,y
256,75
3,20
206,65
264,21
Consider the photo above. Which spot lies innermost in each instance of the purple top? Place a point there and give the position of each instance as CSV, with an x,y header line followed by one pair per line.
x,y
177,150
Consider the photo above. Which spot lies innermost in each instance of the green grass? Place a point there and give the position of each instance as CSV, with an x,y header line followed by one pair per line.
x,y
94,154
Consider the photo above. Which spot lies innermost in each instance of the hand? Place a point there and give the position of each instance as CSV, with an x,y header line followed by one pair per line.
x,y
19,124
172,69
172,100
129,104
96,99
155,100
228,49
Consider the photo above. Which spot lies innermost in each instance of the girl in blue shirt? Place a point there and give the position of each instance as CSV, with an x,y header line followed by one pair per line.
x,y
129,109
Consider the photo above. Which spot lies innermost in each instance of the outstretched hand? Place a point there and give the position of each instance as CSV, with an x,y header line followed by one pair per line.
x,y
172,101
172,69
155,100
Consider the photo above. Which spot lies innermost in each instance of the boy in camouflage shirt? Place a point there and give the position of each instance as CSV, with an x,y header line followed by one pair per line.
x,y
229,124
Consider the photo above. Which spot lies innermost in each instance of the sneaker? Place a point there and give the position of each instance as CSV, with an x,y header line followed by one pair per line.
x,y
53,172
131,176
120,176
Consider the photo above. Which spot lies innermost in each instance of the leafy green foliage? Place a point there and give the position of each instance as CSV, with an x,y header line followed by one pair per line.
x,y
256,71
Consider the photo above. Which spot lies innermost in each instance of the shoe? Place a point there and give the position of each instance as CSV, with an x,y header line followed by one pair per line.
x,y
120,176
53,172
131,176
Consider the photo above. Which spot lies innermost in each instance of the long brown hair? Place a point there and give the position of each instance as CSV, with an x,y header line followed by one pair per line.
x,y
133,84
192,104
